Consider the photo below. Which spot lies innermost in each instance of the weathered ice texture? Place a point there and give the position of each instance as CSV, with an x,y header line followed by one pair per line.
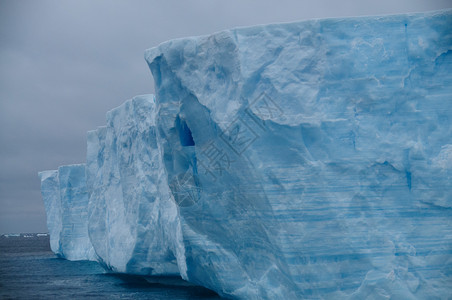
x,y
66,202
317,156
287,161
133,223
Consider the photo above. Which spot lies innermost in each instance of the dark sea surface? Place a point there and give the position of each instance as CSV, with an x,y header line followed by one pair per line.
x,y
29,270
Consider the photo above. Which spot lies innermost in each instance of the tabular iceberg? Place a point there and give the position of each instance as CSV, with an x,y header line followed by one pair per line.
x,y
66,201
285,161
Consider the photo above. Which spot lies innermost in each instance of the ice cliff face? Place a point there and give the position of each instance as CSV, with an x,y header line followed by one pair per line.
x,y
133,223
50,190
287,161
66,201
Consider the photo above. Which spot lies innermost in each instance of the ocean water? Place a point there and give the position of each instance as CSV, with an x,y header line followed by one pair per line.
x,y
29,270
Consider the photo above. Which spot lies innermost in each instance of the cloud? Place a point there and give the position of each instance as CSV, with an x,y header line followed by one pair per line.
x,y
63,64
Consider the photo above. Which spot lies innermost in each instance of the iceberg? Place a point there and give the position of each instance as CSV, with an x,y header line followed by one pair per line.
x,y
133,223
66,201
283,161
50,191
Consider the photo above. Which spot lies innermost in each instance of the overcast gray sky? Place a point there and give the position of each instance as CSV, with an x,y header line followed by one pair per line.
x,y
64,64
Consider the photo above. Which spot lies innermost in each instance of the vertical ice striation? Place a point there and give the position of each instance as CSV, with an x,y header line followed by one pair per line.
x,y
66,202
133,222
287,161
74,240
50,190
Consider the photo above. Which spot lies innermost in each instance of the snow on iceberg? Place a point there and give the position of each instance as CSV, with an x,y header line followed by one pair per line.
x,y
284,161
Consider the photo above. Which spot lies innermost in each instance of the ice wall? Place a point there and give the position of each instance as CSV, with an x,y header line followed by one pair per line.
x,y
50,190
312,159
286,161
66,202
74,240
133,223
